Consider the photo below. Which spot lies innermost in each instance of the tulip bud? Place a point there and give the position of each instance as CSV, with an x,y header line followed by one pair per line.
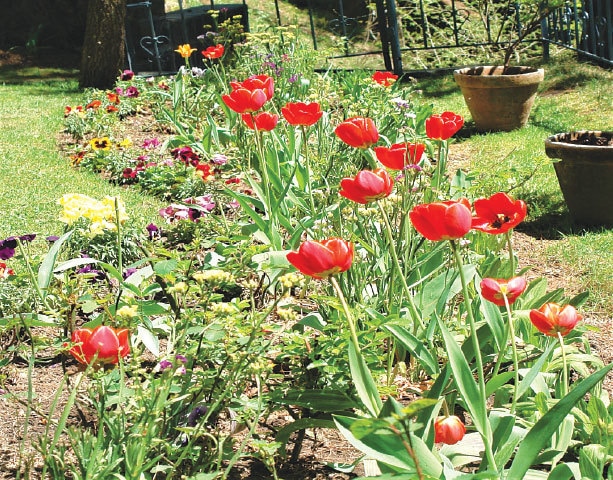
x,y
449,430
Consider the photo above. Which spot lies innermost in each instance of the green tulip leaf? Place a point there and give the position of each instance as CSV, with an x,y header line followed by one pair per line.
x,y
464,380
543,430
364,383
45,271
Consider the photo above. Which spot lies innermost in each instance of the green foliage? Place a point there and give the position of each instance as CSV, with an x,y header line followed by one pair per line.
x,y
226,336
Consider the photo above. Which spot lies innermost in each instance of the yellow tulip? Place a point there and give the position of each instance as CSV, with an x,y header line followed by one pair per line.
x,y
185,50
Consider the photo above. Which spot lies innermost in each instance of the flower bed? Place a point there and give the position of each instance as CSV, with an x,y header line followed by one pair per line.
x,y
317,261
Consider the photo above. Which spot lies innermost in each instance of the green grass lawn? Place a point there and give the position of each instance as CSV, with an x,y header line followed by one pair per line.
x,y
33,172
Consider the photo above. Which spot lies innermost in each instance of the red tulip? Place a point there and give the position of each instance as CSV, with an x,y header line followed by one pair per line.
x,y
367,186
320,259
443,126
400,155
498,213
106,344
449,430
552,318
495,289
387,79
262,121
257,82
442,220
213,52
242,100
358,132
300,113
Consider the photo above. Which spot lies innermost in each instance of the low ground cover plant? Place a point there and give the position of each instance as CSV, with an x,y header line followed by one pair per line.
x,y
316,256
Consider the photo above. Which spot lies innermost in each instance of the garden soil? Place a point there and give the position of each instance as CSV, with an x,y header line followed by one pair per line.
x,y
320,446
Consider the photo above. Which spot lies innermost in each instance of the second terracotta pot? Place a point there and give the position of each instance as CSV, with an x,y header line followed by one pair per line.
x,y
499,100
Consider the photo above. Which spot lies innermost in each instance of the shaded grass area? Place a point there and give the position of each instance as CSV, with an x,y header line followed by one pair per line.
x,y
574,96
34,174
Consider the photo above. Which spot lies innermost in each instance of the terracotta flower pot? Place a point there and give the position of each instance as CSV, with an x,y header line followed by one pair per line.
x,y
499,100
585,174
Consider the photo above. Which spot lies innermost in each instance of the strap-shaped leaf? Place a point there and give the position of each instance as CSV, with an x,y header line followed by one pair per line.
x,y
465,381
542,431
45,271
364,383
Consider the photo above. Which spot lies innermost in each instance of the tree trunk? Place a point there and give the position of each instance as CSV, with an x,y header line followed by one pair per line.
x,y
103,50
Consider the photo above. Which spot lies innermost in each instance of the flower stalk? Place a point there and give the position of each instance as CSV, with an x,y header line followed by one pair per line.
x,y
487,434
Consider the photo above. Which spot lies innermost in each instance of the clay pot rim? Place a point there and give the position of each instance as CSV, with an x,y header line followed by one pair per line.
x,y
488,71
561,139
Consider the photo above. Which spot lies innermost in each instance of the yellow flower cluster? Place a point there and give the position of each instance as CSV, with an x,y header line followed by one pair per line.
x,y
223,308
128,311
101,214
214,277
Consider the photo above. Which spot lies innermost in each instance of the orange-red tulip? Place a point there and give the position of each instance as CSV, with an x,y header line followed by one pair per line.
x,y
495,289
449,430
262,121
213,52
257,82
552,318
443,126
242,100
387,79
320,259
498,213
400,155
367,186
105,344
442,220
300,113
358,132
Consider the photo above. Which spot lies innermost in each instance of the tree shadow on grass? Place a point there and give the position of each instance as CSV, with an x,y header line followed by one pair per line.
x,y
18,66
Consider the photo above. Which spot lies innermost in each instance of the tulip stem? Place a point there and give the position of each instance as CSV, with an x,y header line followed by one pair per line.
x,y
511,333
441,166
119,234
403,280
307,161
265,183
352,328
511,254
564,366
486,435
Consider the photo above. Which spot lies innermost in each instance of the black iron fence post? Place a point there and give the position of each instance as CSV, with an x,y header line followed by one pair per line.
x,y
383,34
392,23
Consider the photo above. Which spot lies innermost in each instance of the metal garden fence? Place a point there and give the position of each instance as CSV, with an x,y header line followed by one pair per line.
x,y
398,34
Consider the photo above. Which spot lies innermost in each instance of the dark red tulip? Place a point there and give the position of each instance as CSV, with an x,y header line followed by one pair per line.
x,y
300,113
495,289
358,132
442,220
262,121
105,344
320,259
449,430
443,126
400,155
552,318
367,186
498,213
